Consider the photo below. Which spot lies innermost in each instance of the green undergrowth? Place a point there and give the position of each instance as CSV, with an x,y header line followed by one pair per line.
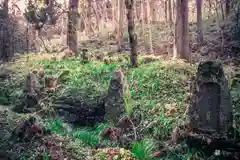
x,y
152,86
143,149
88,136
157,91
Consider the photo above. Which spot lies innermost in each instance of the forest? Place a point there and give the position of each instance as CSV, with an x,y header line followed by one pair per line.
x,y
120,80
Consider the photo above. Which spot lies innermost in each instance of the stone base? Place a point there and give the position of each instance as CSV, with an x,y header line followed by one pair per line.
x,y
228,142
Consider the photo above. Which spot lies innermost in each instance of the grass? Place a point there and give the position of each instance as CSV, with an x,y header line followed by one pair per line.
x,y
153,90
86,135
143,149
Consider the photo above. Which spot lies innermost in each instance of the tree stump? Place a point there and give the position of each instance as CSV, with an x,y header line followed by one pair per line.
x,y
51,83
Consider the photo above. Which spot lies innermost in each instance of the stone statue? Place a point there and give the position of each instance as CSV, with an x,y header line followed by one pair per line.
x,y
210,110
114,105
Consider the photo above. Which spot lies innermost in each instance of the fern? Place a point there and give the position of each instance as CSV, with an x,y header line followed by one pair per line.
x,y
143,149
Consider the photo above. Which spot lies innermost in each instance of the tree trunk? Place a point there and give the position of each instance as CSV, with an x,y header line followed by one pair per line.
x,y
64,25
5,8
72,26
5,46
142,16
170,10
174,9
209,9
114,15
182,31
165,10
89,12
153,12
149,27
227,7
219,27
101,10
131,32
199,23
222,11
120,24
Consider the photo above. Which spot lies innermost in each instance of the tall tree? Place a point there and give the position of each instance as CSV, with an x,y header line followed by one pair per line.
x,y
222,10
5,46
89,14
142,16
181,42
174,8
170,10
131,32
227,7
166,9
114,15
4,9
120,24
72,25
149,27
199,23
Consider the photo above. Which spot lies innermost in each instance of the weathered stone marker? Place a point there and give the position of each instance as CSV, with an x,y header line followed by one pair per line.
x,y
114,105
31,95
210,110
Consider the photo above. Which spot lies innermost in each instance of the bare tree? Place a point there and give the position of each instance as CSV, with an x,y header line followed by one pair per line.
x,y
227,7
131,32
5,50
174,8
114,15
170,10
142,16
222,9
72,24
220,30
89,12
181,42
199,23
149,27
166,9
120,24
4,9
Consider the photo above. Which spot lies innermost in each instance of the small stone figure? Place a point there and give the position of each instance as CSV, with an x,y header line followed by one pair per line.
x,y
114,105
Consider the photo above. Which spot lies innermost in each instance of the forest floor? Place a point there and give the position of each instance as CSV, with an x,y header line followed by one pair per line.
x,y
159,92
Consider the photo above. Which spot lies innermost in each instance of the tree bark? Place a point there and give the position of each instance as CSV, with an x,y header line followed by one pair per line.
x,y
120,24
165,10
170,10
227,7
5,46
199,23
222,11
5,8
181,42
153,10
114,15
220,30
142,16
72,26
149,27
89,12
131,32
